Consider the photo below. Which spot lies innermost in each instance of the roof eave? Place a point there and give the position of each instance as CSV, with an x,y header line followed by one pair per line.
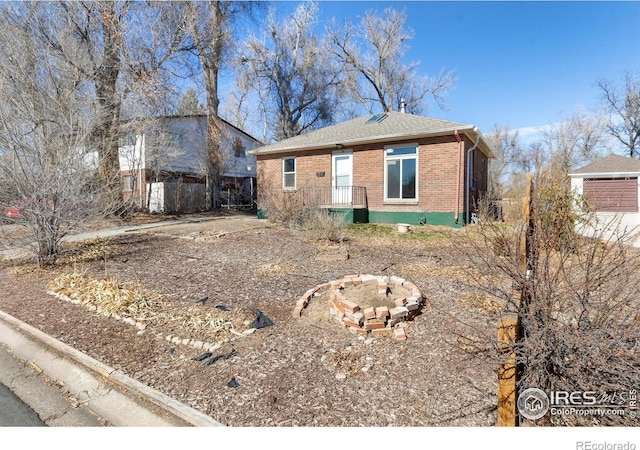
x,y
378,139
604,174
485,147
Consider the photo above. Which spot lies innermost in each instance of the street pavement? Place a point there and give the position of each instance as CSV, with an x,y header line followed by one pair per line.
x,y
14,412
66,388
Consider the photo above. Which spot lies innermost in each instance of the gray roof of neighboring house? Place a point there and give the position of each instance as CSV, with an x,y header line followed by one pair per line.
x,y
394,126
191,116
610,165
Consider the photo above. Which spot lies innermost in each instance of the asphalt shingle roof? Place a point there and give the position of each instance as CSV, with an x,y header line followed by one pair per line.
x,y
394,126
610,164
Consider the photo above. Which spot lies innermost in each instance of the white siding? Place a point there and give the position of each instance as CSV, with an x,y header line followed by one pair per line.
x,y
181,148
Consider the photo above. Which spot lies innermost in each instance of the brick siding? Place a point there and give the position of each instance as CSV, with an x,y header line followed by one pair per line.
x,y
437,172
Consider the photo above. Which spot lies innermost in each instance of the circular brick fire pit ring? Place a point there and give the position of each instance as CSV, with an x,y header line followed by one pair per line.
x,y
368,304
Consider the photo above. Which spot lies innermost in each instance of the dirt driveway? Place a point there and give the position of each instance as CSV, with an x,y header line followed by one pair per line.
x,y
301,371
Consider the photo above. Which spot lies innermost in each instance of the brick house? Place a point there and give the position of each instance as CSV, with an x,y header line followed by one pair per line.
x,y
611,189
384,168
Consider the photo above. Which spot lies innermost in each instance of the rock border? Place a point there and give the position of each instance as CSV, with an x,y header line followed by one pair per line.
x,y
141,326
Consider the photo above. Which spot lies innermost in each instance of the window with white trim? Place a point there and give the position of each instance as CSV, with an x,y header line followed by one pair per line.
x,y
401,173
289,173
239,150
128,182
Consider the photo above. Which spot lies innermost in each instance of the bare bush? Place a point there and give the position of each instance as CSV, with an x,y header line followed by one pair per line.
x,y
281,206
294,209
327,225
575,292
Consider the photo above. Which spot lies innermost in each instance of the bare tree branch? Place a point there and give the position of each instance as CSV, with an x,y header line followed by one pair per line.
x,y
373,51
622,103
292,64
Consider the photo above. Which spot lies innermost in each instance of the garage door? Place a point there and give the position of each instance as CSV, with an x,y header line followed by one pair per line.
x,y
611,194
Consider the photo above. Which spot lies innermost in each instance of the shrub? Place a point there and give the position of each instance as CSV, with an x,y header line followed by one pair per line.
x,y
576,297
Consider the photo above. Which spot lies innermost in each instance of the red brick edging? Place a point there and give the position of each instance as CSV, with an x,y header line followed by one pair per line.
x,y
374,321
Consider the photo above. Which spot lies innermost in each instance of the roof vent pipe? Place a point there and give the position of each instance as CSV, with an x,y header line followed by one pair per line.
x,y
403,106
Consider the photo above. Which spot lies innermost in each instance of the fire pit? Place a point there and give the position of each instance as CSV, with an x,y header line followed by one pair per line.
x,y
368,304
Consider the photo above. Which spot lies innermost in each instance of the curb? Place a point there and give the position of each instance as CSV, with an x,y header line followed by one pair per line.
x,y
85,377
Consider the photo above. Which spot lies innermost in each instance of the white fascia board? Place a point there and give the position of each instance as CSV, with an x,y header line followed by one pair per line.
x,y
354,142
605,175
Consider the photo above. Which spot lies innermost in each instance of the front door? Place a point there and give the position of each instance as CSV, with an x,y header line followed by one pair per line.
x,y
342,177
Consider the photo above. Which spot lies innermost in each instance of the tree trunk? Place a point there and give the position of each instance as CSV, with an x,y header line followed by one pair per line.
x,y
108,117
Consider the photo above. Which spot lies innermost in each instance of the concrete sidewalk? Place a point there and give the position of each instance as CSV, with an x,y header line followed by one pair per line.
x,y
24,250
68,388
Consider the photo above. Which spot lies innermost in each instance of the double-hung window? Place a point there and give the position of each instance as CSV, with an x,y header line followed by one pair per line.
x,y
129,182
239,150
401,173
289,173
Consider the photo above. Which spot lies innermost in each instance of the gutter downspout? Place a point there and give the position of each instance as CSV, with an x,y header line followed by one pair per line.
x,y
457,207
141,186
468,183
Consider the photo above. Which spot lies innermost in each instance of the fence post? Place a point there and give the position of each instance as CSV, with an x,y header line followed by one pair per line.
x,y
507,374
510,329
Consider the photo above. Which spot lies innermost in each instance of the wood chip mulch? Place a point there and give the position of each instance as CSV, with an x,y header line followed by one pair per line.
x,y
305,371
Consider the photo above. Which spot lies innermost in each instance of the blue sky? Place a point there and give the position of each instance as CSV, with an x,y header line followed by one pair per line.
x,y
522,64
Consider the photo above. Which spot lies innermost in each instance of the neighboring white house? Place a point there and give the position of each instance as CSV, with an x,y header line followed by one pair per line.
x,y
163,164
611,190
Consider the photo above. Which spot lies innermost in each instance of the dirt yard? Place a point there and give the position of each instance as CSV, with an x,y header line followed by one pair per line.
x,y
211,278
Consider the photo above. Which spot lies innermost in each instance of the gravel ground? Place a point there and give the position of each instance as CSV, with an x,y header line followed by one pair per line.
x,y
305,371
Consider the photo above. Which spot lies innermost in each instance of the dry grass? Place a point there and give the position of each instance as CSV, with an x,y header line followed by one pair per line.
x,y
275,269
131,300
109,296
94,249
481,301
432,269
196,320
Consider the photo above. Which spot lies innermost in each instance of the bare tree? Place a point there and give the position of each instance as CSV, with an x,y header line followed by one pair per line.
x,y
575,141
533,157
209,31
117,50
507,149
211,38
45,173
211,28
236,107
293,65
622,103
372,51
